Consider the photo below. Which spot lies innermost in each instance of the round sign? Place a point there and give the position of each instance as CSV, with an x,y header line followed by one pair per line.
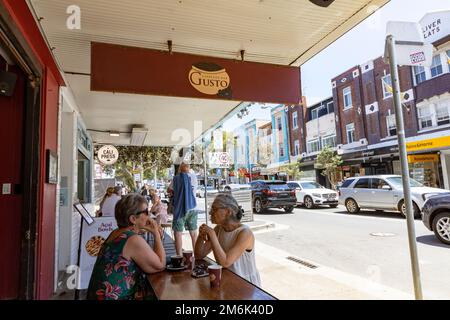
x,y
107,155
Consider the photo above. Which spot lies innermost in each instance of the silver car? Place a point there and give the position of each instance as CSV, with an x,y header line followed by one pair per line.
x,y
383,192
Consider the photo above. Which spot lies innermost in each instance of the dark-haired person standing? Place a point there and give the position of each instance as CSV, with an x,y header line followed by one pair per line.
x,y
232,243
125,257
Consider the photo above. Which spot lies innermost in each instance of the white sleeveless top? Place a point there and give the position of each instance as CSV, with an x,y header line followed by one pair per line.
x,y
245,265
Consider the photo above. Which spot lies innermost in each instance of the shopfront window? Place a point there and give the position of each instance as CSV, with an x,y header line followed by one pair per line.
x,y
424,169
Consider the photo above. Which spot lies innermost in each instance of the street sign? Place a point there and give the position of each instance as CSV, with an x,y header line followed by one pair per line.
x,y
435,25
219,160
107,155
410,46
137,177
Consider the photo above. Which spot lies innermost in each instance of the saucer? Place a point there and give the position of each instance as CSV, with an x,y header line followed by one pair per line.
x,y
172,268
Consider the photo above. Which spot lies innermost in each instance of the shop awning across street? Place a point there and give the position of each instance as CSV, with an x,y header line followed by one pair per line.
x,y
272,32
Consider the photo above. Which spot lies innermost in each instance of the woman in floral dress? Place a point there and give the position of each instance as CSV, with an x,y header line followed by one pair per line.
x,y
125,257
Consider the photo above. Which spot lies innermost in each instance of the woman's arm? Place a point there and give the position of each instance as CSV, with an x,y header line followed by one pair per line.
x,y
202,247
150,261
244,241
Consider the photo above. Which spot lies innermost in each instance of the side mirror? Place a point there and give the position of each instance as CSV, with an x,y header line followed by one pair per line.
x,y
385,187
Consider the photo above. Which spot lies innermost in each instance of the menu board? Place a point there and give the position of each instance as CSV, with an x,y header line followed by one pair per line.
x,y
92,238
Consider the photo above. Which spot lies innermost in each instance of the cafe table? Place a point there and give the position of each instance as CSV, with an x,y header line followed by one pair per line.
x,y
180,285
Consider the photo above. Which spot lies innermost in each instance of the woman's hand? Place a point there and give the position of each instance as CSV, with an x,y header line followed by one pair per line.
x,y
152,227
206,232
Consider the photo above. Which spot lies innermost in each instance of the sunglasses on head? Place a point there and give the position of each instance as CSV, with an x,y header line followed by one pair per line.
x,y
143,211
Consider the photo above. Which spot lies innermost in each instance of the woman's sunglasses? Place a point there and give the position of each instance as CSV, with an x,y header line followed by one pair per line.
x,y
143,211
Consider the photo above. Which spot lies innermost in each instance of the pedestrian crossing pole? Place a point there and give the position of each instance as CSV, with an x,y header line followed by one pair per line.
x,y
390,44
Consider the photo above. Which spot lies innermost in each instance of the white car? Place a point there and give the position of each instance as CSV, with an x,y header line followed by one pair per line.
x,y
312,194
383,192
236,186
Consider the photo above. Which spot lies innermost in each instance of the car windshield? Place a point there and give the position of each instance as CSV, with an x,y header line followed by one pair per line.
x,y
398,182
310,185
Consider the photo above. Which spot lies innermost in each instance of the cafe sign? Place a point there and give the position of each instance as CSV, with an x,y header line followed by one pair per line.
x,y
210,79
107,155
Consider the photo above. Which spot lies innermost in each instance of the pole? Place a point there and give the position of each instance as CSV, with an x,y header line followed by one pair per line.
x,y
404,166
206,182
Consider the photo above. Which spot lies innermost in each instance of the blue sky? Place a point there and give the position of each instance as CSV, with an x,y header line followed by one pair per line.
x,y
362,43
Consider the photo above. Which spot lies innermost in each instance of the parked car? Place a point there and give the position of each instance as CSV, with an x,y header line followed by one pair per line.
x,y
209,190
436,216
236,186
383,192
311,194
272,194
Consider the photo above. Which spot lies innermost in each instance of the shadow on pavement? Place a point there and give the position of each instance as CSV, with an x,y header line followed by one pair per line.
x,y
432,241
371,213
271,212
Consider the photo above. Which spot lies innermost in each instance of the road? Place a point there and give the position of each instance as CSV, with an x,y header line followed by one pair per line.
x,y
368,244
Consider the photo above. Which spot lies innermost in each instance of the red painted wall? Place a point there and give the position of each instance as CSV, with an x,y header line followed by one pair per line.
x,y
11,135
47,217
51,80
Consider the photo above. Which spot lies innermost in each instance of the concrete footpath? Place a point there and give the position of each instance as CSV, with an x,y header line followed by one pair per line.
x,y
289,277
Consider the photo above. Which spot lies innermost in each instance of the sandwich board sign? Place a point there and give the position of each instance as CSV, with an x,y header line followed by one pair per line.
x,y
410,46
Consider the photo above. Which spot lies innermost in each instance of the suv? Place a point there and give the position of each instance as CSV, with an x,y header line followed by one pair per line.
x,y
272,194
436,216
383,192
311,194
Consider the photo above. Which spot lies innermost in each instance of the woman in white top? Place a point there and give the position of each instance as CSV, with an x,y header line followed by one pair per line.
x,y
232,243
109,204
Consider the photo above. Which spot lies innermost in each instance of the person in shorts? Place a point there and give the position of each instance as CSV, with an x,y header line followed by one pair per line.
x,y
184,206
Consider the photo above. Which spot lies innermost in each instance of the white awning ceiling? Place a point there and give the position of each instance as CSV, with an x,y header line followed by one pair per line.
x,y
270,31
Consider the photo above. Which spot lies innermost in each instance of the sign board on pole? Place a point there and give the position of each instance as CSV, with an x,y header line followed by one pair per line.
x,y
219,160
92,238
137,177
218,139
435,25
107,155
410,47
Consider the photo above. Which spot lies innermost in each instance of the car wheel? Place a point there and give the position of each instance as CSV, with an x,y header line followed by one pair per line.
x,y
441,227
309,203
289,209
351,206
333,205
258,206
416,210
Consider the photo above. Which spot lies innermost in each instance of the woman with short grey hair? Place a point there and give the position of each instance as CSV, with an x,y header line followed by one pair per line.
x,y
125,257
232,243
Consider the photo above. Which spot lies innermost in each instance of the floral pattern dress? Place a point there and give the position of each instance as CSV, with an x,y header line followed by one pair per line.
x,y
116,278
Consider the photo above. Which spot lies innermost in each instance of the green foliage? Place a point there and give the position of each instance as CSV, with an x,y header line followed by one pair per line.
x,y
329,161
142,159
293,171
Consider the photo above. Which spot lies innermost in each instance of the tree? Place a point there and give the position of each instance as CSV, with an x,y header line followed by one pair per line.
x,y
142,159
329,161
293,171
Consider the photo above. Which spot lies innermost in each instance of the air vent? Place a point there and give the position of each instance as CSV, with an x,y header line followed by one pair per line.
x,y
302,262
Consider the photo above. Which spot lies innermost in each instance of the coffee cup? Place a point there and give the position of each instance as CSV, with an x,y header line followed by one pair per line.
x,y
187,258
176,261
215,275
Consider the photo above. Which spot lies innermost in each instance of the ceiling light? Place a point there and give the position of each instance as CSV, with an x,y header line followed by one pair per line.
x,y
138,136
114,134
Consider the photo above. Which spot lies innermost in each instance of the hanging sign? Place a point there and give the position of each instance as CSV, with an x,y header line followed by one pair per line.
x,y
156,72
107,155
